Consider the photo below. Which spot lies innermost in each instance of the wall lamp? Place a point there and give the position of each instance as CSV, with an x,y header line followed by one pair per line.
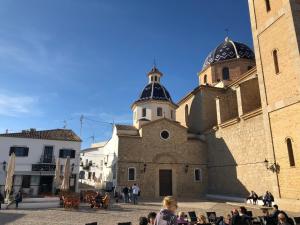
x,y
273,167
4,165
186,168
72,167
145,167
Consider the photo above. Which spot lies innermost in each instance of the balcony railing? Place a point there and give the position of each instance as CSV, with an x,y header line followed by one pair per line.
x,y
50,160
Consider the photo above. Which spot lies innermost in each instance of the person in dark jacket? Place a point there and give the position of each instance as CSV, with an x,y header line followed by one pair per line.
x,y
1,199
125,192
253,196
167,215
245,219
18,198
282,219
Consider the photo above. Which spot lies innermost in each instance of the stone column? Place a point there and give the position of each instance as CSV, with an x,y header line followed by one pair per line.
x,y
239,100
218,110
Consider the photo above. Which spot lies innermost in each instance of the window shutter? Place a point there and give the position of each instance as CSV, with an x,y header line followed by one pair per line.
x,y
72,154
26,150
61,152
12,149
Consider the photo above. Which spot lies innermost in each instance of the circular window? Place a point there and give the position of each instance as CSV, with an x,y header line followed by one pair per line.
x,y
164,134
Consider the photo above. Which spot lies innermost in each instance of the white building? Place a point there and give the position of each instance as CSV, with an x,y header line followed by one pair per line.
x,y
92,166
36,154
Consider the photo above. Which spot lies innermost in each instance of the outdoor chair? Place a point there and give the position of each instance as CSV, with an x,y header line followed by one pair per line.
x,y
211,216
193,217
297,220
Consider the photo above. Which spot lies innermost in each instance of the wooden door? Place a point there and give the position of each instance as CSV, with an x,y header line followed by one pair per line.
x,y
165,182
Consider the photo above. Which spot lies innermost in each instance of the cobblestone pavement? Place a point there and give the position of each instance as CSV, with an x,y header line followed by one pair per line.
x,y
116,213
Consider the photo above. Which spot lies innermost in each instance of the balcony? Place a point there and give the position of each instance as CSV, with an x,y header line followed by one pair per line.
x,y
49,159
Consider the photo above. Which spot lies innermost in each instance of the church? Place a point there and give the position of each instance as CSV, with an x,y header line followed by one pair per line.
x,y
237,131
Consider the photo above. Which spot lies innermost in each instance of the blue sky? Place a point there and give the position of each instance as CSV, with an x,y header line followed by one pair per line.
x,y
63,58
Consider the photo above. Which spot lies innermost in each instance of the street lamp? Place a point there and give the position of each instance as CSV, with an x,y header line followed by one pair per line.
x,y
274,167
4,165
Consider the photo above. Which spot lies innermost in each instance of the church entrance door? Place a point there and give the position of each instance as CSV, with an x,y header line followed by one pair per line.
x,y
165,182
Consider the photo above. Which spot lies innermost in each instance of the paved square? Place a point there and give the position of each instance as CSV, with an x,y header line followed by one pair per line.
x,y
117,213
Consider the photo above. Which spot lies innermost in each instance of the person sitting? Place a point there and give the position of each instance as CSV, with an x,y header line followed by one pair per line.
x,y
236,218
282,219
266,218
201,219
245,219
151,218
253,196
98,199
181,219
143,221
167,214
268,199
227,219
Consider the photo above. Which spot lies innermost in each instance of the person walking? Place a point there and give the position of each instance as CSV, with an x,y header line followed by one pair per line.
x,y
1,199
135,193
125,192
167,215
18,198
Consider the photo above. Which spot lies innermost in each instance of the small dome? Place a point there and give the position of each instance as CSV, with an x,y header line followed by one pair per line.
x,y
229,50
155,91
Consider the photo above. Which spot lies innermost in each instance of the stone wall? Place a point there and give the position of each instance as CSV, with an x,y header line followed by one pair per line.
x,y
175,153
250,95
235,159
228,106
202,113
285,123
237,67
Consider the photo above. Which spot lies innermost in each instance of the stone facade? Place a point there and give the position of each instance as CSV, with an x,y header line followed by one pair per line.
x,y
279,91
148,153
236,68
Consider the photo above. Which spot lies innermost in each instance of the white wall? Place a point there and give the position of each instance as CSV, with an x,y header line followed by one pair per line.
x,y
151,107
36,150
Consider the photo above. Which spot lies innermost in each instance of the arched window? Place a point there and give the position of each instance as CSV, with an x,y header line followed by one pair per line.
x,y
275,58
225,73
290,151
268,5
186,114
155,78
205,79
151,78
144,112
159,111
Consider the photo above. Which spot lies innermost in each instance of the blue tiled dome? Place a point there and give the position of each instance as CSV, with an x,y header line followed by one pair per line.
x,y
229,50
155,91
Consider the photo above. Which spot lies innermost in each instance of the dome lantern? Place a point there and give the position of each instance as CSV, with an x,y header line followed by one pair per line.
x,y
154,75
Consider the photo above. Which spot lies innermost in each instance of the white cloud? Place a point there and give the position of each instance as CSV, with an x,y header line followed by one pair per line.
x,y
17,105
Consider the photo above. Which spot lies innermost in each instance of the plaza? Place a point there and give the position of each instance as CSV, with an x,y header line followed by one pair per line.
x,y
116,213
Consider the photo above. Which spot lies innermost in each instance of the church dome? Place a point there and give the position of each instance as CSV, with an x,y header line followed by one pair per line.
x,y
229,50
155,91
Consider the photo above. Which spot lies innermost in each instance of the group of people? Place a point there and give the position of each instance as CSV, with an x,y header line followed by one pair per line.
x,y
167,216
130,194
267,198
